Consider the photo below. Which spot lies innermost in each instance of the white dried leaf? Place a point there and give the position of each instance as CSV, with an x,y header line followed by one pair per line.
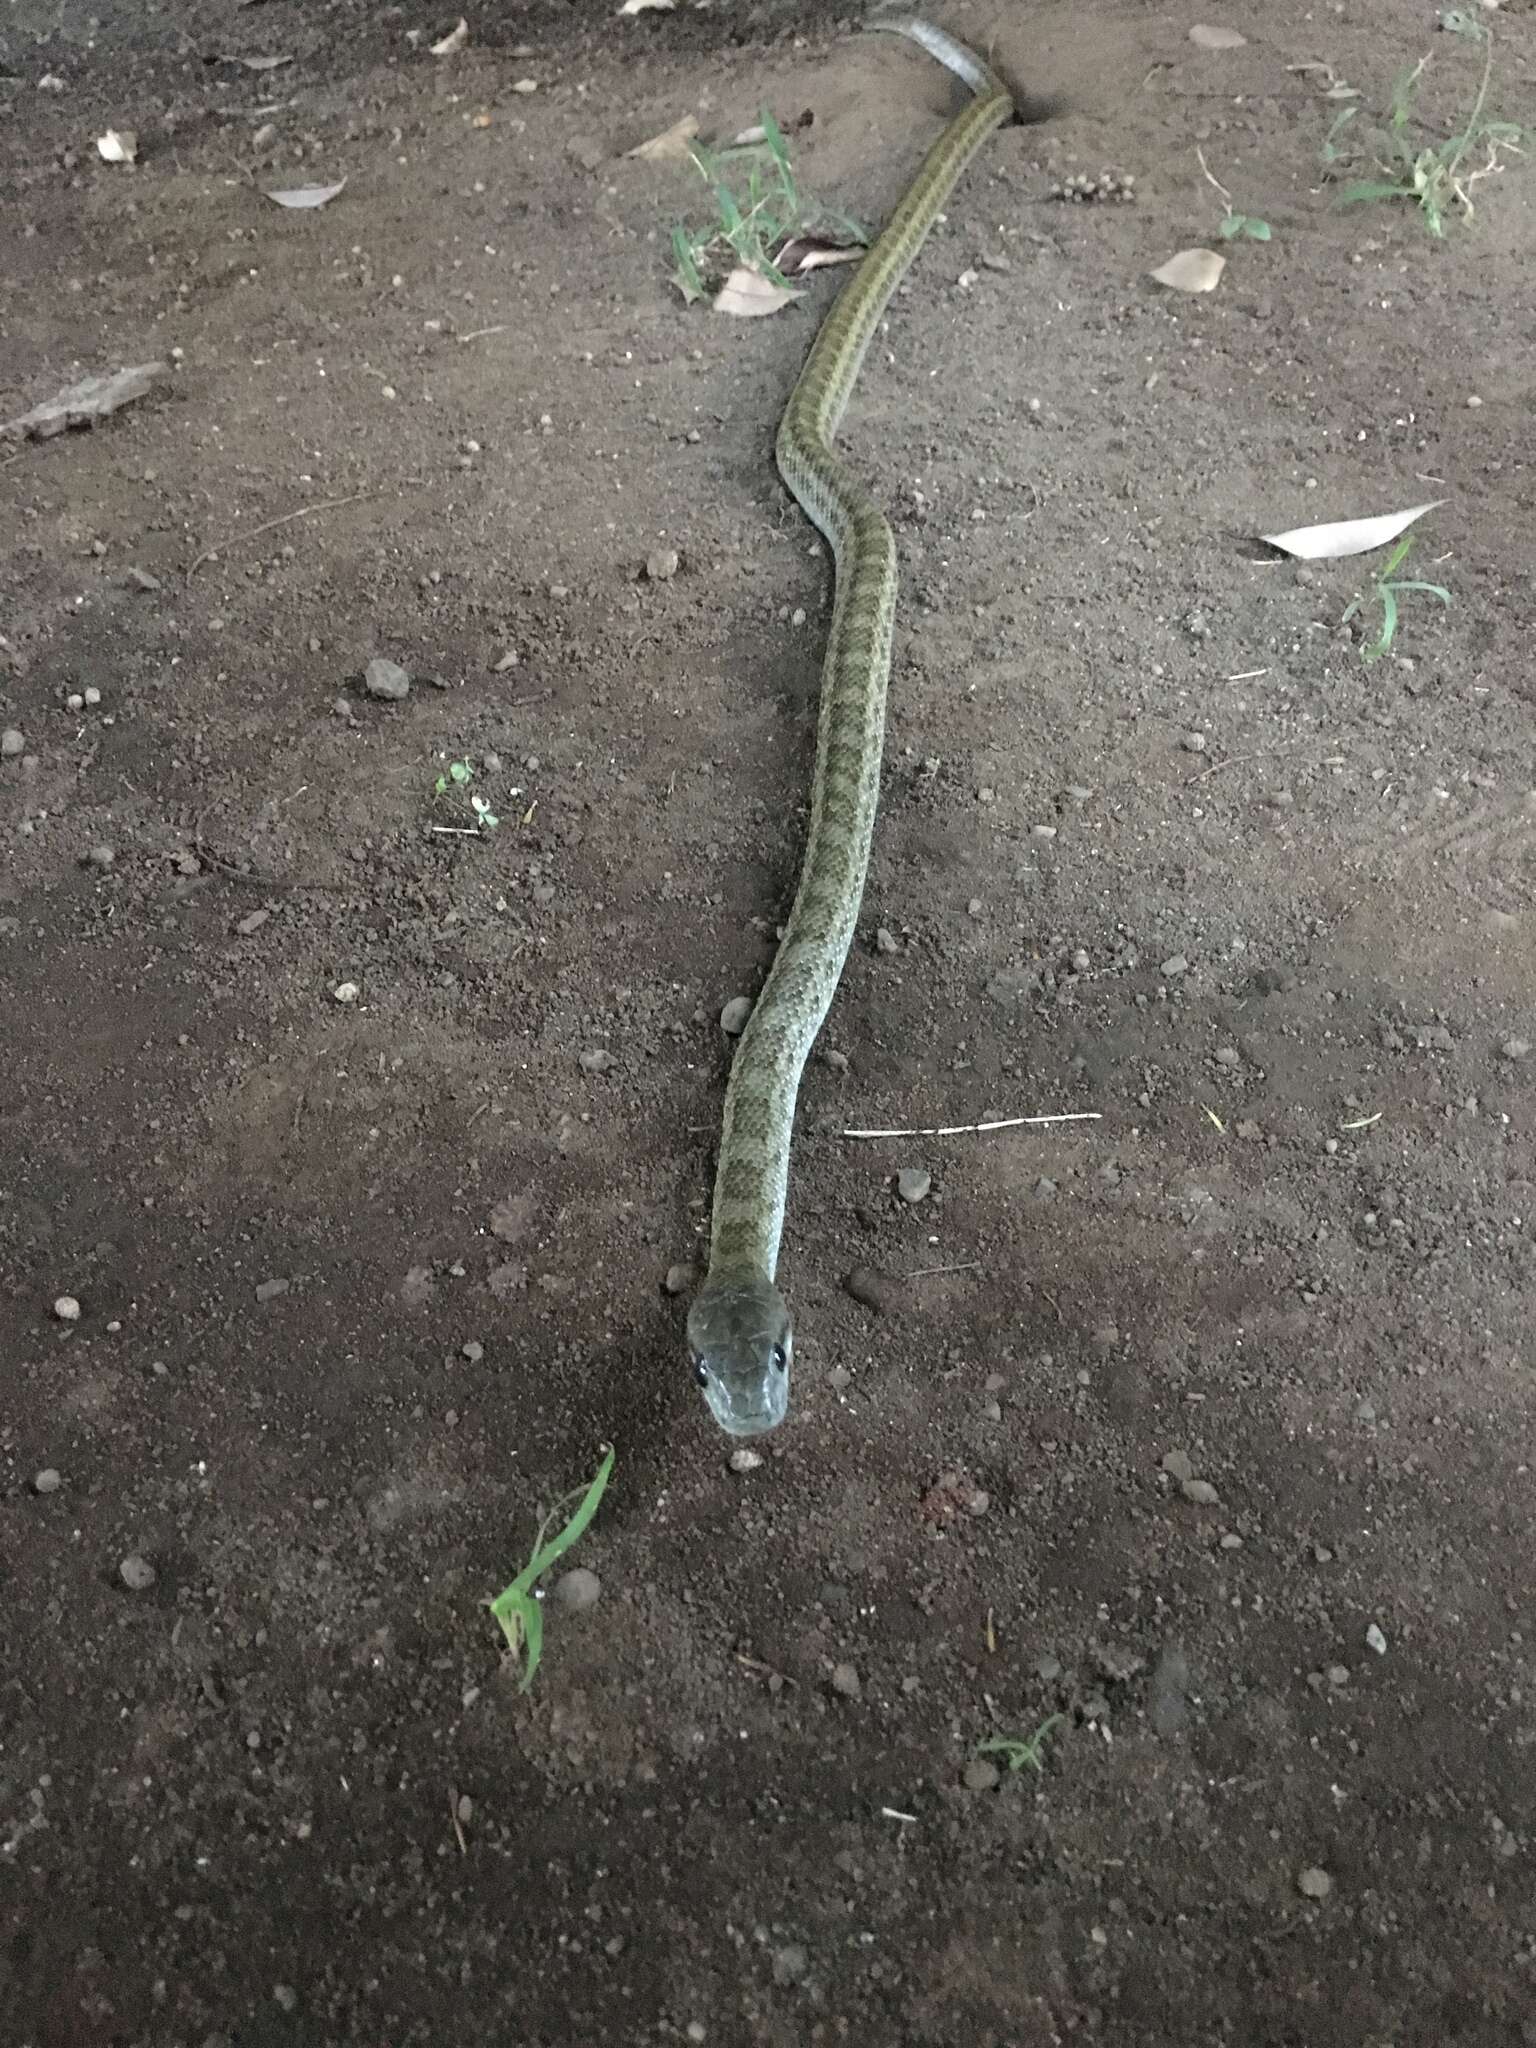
x,y
307,195
749,138
118,146
641,6
260,63
82,404
749,295
671,142
1192,270
804,252
1339,537
451,44
1205,37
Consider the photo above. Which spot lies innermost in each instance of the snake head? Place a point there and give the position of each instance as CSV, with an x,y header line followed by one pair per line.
x,y
740,1342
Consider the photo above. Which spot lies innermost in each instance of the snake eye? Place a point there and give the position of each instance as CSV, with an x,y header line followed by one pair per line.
x,y
780,1358
701,1372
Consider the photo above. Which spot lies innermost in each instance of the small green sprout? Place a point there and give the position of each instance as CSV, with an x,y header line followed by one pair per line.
x,y
459,775
1245,226
755,217
517,1608
1021,1752
1387,588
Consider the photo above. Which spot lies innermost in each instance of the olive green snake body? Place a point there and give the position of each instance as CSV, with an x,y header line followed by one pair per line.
x,y
739,1328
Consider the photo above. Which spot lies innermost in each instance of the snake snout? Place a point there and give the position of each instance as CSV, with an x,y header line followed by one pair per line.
x,y
739,1340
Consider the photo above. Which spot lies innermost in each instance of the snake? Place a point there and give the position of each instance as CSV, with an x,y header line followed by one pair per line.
x,y
740,1333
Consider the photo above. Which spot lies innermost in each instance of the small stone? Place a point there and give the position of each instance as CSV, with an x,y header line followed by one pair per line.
x,y
790,1963
286,1997
912,1183
141,578
1117,1663
1200,1492
472,1352
577,1590
1175,965
1313,1883
74,701
252,922
980,1775
885,942
1047,1668
102,857
12,742
678,1279
1514,1048
346,992
873,1288
269,1290
975,907
598,1061
1168,1692
1227,1056
137,1573
1178,1465
1230,1541
733,1018
845,1679
47,1481
386,680
1194,743
67,1309
1081,961
661,565
743,1460
837,1061
508,659
1338,1674
1375,1640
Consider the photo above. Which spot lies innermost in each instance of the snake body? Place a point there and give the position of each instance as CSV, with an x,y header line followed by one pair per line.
x,y
740,1336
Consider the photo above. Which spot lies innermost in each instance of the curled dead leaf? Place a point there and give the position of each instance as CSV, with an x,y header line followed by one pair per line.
x,y
806,252
118,146
1192,270
451,44
1205,36
749,295
671,142
307,196
1336,538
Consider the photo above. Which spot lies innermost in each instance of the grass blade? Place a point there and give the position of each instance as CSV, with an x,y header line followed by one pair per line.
x,y
516,1607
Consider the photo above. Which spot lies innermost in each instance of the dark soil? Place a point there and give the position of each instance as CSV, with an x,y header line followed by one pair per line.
x,y
364,1285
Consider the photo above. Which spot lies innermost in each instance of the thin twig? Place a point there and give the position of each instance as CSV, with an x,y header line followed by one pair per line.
x,y
1004,1123
458,1825
480,333
1258,754
929,1272
1226,195
282,519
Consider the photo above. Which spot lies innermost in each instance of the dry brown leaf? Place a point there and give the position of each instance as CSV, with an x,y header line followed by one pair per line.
x,y
804,252
1206,37
1192,270
671,142
118,146
451,44
749,295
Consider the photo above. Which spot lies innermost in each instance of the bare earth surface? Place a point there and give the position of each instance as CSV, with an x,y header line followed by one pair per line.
x,y
1206,1427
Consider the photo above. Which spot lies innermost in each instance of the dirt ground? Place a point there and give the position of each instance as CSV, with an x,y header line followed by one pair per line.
x,y
1205,1427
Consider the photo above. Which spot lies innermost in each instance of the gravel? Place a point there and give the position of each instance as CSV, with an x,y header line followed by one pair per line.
x,y
102,857
876,1290
1313,1883
137,1573
1167,1692
386,680
47,1481
912,1183
12,742
597,1061
1200,1492
1514,1048
743,1460
577,1590
678,1279
980,1776
67,1309
733,1018
886,942
661,565
845,1679
1175,965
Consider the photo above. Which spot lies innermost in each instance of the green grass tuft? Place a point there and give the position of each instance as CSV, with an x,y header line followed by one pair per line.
x,y
517,1607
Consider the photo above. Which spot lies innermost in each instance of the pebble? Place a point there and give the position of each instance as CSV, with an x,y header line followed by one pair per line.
x,y
1194,743
509,659
252,922
269,1290
386,680
912,1183
1227,1056
980,1775
137,1573
67,1309
1375,1640
47,1481
1175,965
661,565
743,1460
975,907
1168,1692
885,942
12,742
845,1679
733,1018
1201,1492
678,1279
472,1352
1313,1883
346,992
598,1061
1117,1663
790,1963
102,857
577,1590
1081,962
837,1061
92,696
1047,1668
1514,1048
1178,1465
873,1288
285,1994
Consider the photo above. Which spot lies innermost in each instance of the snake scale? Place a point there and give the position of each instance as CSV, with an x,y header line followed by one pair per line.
x,y
740,1336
